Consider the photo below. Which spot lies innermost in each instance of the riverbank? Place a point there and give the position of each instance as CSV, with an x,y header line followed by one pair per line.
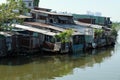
x,y
13,44
44,30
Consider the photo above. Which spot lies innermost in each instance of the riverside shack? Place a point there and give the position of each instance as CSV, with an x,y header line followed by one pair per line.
x,y
63,21
51,17
8,43
38,39
33,38
60,21
77,38
91,19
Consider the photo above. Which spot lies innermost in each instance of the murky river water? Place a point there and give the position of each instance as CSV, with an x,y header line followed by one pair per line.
x,y
102,64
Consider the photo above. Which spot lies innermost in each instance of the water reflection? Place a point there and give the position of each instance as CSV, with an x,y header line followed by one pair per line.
x,y
118,38
48,67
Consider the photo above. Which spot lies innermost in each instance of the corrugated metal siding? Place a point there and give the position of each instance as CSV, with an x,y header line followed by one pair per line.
x,y
99,20
9,43
24,42
3,49
15,43
88,38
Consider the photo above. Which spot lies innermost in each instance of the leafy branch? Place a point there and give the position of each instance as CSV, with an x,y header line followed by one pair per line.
x,y
65,36
8,14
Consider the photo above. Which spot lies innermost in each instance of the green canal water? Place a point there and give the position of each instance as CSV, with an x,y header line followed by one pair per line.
x,y
101,64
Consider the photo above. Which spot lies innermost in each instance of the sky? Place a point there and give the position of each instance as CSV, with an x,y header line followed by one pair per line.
x,y
108,8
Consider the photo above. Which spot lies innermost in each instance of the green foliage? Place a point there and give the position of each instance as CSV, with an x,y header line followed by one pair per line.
x,y
114,32
115,29
36,3
8,15
22,8
65,36
116,26
98,32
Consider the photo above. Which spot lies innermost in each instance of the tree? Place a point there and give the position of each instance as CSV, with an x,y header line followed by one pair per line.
x,y
8,14
115,29
36,3
21,7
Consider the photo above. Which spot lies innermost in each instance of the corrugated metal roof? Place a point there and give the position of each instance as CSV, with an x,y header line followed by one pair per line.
x,y
51,13
40,8
82,24
96,26
88,25
23,16
77,33
76,28
44,25
6,34
34,29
